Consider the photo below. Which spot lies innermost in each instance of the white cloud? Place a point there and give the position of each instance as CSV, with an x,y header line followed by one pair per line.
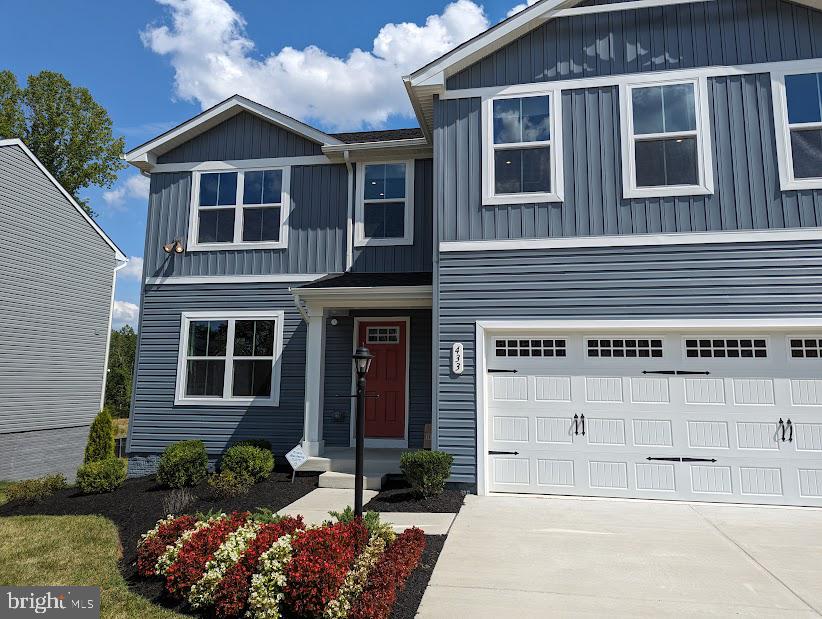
x,y
135,186
125,313
132,270
213,59
521,7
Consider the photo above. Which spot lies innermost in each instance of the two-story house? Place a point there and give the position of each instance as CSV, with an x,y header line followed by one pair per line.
x,y
596,269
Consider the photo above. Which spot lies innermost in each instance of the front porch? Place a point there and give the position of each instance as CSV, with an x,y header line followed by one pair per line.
x,y
390,313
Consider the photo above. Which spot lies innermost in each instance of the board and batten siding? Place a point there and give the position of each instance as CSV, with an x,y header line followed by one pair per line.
x,y
405,258
56,277
746,196
339,368
696,34
698,281
316,235
156,422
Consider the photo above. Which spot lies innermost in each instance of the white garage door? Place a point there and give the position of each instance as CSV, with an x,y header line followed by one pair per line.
x,y
724,416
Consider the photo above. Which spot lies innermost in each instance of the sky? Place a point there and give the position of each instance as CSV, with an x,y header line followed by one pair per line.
x,y
156,63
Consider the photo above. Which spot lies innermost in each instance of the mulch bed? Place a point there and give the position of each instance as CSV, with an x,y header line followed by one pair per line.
x,y
396,496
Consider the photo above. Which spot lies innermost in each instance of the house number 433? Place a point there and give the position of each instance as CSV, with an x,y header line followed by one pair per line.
x,y
457,359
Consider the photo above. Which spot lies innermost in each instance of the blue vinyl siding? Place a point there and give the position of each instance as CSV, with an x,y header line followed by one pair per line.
x,y
705,281
697,34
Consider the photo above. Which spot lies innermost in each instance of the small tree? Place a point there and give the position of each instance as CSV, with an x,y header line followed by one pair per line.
x,y
120,370
100,444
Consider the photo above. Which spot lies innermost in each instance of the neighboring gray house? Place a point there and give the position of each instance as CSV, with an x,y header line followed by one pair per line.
x,y
57,270
602,248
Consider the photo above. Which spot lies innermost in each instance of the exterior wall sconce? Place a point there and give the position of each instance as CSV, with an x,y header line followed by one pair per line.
x,y
175,246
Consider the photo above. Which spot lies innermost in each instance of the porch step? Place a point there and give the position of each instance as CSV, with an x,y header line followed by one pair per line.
x,y
331,479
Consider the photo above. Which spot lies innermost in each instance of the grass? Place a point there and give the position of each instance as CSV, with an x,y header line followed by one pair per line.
x,y
71,550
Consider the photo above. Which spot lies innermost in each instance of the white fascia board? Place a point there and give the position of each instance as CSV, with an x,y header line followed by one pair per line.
x,y
236,279
787,323
212,117
814,4
119,256
365,297
412,148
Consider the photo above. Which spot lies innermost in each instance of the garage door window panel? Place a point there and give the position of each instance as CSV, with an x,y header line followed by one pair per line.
x,y
726,348
624,348
530,347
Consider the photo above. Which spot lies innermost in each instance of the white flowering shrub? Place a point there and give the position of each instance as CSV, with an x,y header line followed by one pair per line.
x,y
355,580
173,550
268,583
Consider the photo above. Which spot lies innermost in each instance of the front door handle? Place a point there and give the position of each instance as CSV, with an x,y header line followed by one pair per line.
x,y
781,425
582,419
790,434
576,424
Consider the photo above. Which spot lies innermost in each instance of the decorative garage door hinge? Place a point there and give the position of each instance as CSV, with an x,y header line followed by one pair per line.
x,y
681,459
503,453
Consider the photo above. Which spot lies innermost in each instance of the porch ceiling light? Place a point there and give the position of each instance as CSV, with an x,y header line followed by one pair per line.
x,y
362,361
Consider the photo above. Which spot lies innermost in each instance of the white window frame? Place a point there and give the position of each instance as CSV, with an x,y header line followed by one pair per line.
x,y
232,316
489,196
702,132
784,150
238,243
360,239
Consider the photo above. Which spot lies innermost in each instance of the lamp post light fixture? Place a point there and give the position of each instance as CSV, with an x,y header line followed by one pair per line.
x,y
362,363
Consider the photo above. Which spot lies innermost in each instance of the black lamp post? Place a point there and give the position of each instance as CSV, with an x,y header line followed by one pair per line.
x,y
362,363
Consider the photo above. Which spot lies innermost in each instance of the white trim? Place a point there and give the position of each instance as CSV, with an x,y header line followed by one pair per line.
x,y
349,213
394,443
180,399
784,149
240,164
381,145
118,255
479,386
702,133
639,240
236,279
239,211
364,298
360,240
489,197
314,398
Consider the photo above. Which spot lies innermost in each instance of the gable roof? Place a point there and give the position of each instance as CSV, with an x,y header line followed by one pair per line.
x,y
145,155
362,137
118,254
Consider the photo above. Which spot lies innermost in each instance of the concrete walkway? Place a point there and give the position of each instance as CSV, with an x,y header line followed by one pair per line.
x,y
538,557
315,506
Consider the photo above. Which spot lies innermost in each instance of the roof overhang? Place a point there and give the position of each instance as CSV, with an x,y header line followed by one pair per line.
x,y
312,300
374,151
145,156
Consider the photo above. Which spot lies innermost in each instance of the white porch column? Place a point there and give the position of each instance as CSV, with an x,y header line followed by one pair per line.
x,y
314,378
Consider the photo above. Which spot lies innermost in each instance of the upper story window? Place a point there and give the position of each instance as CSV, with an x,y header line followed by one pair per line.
x,y
522,149
239,209
666,140
798,122
385,204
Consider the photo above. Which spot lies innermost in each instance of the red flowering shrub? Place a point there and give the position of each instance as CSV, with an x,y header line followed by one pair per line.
x,y
231,596
320,561
167,533
197,551
389,576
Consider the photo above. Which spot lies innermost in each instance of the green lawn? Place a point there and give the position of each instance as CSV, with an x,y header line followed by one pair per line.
x,y
71,550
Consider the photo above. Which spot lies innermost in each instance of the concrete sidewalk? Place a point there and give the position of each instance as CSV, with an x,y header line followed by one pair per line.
x,y
537,557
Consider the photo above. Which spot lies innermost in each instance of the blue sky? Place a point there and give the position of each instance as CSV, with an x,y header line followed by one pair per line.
x,y
154,64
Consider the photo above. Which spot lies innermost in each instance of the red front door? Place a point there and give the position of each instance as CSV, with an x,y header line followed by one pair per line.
x,y
385,414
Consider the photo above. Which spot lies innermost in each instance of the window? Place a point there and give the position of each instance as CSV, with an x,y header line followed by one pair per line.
x,y
521,147
239,209
232,359
665,139
734,348
806,348
530,348
383,335
385,203
624,348
798,121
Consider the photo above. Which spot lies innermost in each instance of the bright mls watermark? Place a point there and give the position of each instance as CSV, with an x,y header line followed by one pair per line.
x,y
63,602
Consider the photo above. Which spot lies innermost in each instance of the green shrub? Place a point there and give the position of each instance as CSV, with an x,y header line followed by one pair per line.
x,y
226,484
371,520
255,442
183,464
247,461
100,444
101,476
426,471
30,490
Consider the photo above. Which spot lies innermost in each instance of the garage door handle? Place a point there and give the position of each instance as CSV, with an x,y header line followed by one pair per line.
x,y
790,435
582,419
576,424
503,453
782,426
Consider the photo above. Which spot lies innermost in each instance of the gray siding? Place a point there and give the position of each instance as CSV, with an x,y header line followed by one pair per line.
x,y
56,276
24,455
244,136
338,370
746,178
410,258
698,34
719,281
316,236
156,421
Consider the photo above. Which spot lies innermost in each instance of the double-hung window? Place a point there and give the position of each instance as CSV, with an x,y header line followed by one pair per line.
x,y
385,204
798,121
666,143
230,358
239,209
522,149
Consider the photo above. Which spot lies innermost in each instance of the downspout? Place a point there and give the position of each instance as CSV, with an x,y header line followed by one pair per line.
x,y
349,226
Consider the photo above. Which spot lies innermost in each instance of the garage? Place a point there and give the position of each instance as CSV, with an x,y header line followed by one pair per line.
x,y
722,411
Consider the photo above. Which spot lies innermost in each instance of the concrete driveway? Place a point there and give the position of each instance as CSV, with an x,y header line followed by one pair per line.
x,y
537,557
